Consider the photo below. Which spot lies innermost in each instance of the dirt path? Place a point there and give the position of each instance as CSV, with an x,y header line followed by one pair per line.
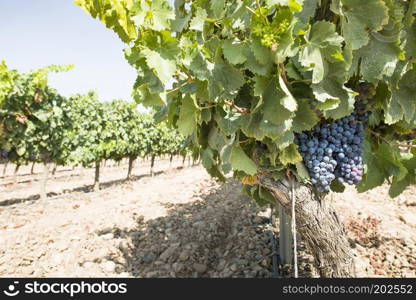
x,y
179,223
67,180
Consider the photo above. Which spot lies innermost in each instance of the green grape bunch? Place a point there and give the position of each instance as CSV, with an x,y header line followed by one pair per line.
x,y
271,32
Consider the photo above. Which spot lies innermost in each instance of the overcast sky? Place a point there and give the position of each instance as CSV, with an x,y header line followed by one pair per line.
x,y
36,33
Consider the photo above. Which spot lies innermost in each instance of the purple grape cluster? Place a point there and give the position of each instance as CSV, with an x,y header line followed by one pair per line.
x,y
3,154
334,151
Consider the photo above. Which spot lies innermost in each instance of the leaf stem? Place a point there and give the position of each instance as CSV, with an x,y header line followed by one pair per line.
x,y
180,86
252,11
376,134
283,74
409,14
261,13
302,80
241,110
207,107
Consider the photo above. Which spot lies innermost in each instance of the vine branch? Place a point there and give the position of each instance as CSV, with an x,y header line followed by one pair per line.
x,y
376,134
241,110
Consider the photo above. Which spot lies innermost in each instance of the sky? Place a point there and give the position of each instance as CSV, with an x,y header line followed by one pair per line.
x,y
37,33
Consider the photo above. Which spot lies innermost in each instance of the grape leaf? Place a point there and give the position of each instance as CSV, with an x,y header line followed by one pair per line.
x,y
197,22
337,187
323,41
188,116
217,7
290,155
360,17
240,161
378,59
305,117
234,51
165,68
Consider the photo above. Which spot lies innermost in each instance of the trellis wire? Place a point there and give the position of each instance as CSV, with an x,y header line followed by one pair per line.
x,y
275,259
295,255
285,237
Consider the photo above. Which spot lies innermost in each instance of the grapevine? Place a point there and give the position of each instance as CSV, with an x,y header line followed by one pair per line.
x,y
334,151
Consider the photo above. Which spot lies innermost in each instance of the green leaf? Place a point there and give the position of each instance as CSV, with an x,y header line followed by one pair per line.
x,y
225,82
284,140
403,98
380,163
305,118
290,155
208,158
311,57
206,115
21,150
230,123
302,171
240,161
337,186
323,42
261,53
252,125
216,139
360,17
234,51
328,104
198,64
308,11
198,21
144,96
398,186
274,131
161,15
294,5
341,99
42,115
217,7
266,196
273,109
389,157
287,100
164,68
115,17
188,116
287,47
254,65
374,176
378,59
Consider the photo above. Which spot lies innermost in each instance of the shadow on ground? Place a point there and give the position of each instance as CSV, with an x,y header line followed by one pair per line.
x,y
82,189
219,235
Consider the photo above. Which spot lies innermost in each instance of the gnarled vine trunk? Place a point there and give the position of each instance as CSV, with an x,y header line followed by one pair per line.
x,y
5,169
130,168
317,224
152,164
43,194
97,177
55,166
16,170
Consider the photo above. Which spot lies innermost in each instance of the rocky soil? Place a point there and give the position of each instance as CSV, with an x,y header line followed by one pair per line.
x,y
179,223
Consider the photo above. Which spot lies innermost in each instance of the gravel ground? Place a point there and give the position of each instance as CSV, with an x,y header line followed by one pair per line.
x,y
179,223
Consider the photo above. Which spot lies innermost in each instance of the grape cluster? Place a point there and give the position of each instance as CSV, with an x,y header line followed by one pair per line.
x,y
334,151
3,154
272,32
